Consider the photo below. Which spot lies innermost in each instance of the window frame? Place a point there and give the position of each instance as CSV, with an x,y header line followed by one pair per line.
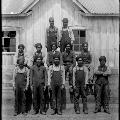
x,y
10,28
79,28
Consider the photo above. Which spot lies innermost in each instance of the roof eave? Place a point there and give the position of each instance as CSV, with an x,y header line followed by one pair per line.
x,y
94,14
80,6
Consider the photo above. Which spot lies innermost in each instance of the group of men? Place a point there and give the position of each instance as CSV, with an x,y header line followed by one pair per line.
x,y
47,84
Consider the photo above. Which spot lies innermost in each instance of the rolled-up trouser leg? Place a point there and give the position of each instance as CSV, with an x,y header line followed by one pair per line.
x,y
98,90
76,99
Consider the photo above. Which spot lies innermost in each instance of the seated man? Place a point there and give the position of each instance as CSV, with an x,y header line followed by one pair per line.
x,y
87,60
102,91
68,59
38,53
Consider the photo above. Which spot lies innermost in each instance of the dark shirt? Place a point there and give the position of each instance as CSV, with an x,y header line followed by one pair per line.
x,y
38,75
68,58
87,58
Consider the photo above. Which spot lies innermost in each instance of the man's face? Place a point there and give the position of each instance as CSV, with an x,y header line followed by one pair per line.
x,y
68,48
102,62
39,61
54,47
21,49
80,62
56,61
51,22
85,47
65,24
21,64
39,48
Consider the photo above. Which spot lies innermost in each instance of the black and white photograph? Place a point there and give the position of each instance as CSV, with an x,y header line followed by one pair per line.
x,y
60,59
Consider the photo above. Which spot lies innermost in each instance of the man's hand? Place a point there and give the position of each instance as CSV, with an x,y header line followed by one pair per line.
x,y
26,87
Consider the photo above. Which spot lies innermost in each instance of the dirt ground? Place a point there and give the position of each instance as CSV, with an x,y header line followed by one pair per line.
x,y
68,114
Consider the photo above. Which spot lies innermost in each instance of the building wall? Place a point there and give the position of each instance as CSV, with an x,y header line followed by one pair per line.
x,y
102,32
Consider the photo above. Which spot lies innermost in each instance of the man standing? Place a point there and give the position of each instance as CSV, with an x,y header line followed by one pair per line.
x,y
51,35
20,84
80,74
56,81
66,35
102,91
38,81
68,58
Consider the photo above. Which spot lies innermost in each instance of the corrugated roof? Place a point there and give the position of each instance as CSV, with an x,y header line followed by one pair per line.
x,y
14,6
101,6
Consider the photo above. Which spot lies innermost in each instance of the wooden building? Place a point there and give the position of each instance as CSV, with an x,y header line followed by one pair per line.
x,y
94,21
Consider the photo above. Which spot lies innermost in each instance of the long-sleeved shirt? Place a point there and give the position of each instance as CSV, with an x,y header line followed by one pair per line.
x,y
71,35
38,75
80,68
56,68
68,57
18,70
47,33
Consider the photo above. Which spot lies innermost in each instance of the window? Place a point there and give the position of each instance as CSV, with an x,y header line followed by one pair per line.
x,y
80,37
8,41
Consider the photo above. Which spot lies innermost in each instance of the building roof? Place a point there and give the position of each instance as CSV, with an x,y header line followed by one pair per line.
x,y
15,6
93,7
100,6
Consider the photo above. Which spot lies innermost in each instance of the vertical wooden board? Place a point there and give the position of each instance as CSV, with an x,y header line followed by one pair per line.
x,y
67,11
11,21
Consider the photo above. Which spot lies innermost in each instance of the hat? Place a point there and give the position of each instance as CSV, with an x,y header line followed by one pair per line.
x,y
102,58
51,19
21,45
38,44
79,56
65,20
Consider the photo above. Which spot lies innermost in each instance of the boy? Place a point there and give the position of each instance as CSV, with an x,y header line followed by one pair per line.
x,y
38,79
20,84
102,86
80,74
56,81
